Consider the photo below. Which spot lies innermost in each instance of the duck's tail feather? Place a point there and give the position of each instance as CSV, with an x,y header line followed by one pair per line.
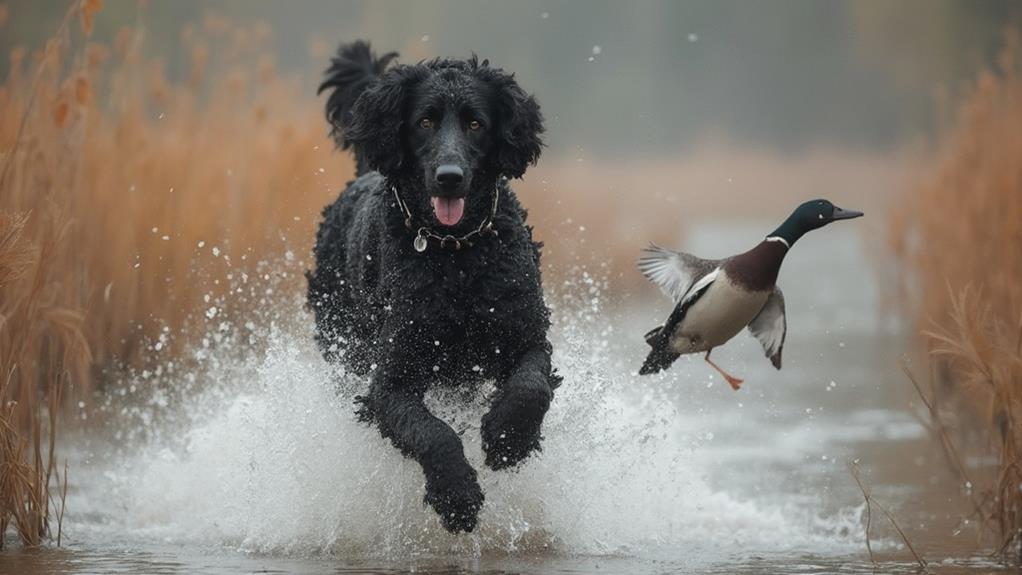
x,y
652,334
658,360
661,356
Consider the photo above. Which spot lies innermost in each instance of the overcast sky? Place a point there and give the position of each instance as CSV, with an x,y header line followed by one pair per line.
x,y
641,77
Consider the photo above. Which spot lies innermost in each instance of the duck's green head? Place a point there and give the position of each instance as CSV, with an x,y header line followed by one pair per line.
x,y
810,216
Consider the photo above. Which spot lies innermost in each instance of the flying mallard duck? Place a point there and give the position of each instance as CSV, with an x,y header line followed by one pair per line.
x,y
717,298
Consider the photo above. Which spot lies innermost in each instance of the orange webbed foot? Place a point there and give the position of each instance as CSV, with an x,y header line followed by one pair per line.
x,y
733,381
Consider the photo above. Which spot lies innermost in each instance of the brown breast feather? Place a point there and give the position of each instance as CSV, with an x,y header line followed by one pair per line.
x,y
756,269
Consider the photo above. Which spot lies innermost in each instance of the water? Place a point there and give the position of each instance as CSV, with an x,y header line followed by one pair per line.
x,y
250,459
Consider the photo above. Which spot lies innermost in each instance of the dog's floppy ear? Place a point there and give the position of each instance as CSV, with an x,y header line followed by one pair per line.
x,y
521,126
354,68
377,118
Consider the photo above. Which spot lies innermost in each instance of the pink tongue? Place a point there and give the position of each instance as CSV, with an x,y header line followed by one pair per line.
x,y
448,210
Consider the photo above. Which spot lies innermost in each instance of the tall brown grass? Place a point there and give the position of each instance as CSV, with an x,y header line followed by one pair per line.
x,y
42,346
115,181
959,239
156,174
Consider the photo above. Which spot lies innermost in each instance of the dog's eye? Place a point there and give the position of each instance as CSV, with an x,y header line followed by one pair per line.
x,y
474,125
426,123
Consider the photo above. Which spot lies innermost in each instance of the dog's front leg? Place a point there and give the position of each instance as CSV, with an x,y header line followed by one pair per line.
x,y
511,429
451,486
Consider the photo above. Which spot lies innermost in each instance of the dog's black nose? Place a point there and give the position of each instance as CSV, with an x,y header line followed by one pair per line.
x,y
449,175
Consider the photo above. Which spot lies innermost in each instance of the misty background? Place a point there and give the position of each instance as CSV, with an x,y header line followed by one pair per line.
x,y
637,79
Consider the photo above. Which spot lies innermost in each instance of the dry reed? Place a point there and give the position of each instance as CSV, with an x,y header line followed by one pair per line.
x,y
869,501
113,180
158,175
42,345
958,237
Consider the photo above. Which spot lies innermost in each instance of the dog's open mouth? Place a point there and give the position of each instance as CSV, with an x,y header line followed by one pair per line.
x,y
448,210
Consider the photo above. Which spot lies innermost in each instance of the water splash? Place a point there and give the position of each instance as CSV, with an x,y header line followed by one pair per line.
x,y
259,450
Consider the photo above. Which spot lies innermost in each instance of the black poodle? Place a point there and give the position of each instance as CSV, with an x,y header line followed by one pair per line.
x,y
426,272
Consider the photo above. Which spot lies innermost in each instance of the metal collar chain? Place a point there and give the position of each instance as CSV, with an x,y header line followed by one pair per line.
x,y
426,233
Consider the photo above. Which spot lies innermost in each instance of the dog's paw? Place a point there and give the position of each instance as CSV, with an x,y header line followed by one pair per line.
x,y
456,498
511,430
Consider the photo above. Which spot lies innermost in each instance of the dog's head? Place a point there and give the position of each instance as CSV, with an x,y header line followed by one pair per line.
x,y
446,129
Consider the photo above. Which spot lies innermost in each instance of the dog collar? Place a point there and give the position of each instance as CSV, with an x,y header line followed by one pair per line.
x,y
426,233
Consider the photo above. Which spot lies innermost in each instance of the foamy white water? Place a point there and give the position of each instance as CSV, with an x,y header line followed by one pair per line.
x,y
267,456
245,456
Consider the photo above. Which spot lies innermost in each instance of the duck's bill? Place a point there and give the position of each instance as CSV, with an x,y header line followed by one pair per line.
x,y
840,214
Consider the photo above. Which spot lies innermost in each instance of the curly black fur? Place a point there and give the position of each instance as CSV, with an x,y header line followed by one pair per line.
x,y
444,316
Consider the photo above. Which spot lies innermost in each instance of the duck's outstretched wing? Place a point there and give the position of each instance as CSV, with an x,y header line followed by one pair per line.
x,y
662,355
770,327
674,272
